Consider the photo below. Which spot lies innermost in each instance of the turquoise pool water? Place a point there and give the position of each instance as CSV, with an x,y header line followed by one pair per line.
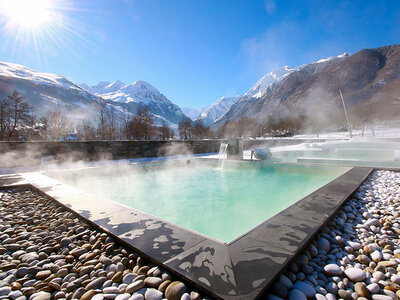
x,y
220,203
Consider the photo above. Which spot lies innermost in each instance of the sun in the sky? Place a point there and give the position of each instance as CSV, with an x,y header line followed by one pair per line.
x,y
27,13
43,28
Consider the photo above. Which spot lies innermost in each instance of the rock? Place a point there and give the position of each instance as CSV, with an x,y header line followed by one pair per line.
x,y
363,259
395,279
29,257
125,296
280,290
355,274
333,270
379,275
175,290
78,293
15,294
111,290
373,222
380,297
96,283
285,281
153,282
301,259
373,288
354,245
195,296
361,289
5,290
186,296
344,294
62,272
323,244
376,256
134,286
43,296
88,295
43,274
153,294
296,295
136,297
65,242
163,286
388,264
128,278
305,288
21,272
117,277
331,288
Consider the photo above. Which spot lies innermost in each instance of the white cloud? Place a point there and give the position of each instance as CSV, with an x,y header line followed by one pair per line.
x,y
271,49
270,6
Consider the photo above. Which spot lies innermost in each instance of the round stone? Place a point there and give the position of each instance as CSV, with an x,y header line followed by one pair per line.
x,y
125,296
355,274
88,295
305,288
361,289
323,244
333,270
153,282
134,286
153,294
376,256
297,295
175,290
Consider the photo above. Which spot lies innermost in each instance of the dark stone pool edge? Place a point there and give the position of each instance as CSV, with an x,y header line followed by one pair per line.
x,y
241,269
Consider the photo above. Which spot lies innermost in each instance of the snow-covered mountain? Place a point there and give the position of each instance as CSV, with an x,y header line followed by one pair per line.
x,y
47,92
139,94
215,110
369,80
267,81
193,113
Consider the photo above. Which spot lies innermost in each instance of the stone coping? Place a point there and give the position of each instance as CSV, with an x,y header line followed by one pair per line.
x,y
240,269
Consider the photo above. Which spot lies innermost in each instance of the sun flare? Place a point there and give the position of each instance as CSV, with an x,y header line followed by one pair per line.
x,y
27,13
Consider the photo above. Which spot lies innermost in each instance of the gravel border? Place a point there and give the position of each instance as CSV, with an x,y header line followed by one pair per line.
x,y
47,252
357,254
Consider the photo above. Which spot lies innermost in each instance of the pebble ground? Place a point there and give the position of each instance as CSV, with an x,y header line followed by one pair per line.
x,y
46,252
357,254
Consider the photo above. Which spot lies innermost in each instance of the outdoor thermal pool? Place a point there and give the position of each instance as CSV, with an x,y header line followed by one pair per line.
x,y
222,203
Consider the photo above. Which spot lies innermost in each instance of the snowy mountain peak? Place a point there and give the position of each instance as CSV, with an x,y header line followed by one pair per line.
x,y
266,82
214,111
113,87
16,71
333,57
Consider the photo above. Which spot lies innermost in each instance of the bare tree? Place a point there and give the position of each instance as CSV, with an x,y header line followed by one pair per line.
x,y
141,127
125,118
112,123
165,132
200,131
88,130
14,114
4,118
102,119
184,128
44,127
58,124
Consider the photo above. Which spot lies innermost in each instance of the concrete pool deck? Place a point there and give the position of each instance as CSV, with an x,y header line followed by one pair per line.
x,y
241,269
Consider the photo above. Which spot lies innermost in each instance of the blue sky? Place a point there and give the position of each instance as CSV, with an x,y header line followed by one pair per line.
x,y
195,52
